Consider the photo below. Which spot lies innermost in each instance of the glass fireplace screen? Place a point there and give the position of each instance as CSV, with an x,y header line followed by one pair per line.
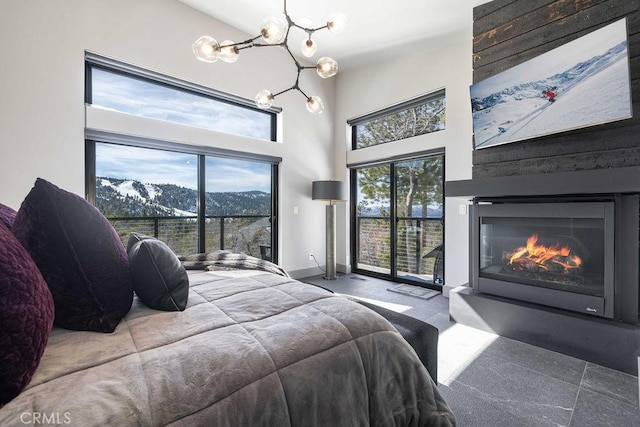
x,y
559,253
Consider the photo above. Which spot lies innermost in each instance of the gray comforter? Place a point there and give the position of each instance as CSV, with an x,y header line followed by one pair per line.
x,y
251,349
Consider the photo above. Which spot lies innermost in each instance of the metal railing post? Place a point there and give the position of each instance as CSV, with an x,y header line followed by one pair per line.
x,y
417,239
222,232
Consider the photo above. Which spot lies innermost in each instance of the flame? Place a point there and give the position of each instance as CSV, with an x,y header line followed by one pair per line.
x,y
544,256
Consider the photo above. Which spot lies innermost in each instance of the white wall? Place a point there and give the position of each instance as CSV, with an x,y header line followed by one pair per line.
x,y
42,113
381,84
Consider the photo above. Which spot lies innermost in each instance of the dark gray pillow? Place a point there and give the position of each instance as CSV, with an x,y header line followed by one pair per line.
x,y
159,279
80,256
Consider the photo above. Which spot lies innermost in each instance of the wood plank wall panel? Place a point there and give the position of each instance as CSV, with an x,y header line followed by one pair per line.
x,y
507,33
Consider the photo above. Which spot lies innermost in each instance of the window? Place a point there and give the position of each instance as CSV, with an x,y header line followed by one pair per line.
x,y
412,118
398,216
194,198
153,192
157,192
127,89
238,205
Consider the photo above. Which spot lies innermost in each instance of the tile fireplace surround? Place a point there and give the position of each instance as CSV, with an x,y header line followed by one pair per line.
x,y
611,339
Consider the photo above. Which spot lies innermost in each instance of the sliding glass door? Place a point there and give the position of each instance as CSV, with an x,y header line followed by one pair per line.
x,y
398,215
238,202
193,202
373,219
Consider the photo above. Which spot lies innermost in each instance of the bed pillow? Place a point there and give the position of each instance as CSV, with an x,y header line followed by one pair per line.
x,y
159,279
7,215
135,238
79,255
26,316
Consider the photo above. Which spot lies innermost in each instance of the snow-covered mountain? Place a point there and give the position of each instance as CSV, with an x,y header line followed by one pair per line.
x,y
521,111
126,197
560,82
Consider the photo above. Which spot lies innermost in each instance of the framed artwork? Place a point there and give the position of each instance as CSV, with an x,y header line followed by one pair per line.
x,y
582,83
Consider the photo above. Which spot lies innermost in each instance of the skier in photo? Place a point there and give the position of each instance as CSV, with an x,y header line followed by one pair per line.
x,y
549,94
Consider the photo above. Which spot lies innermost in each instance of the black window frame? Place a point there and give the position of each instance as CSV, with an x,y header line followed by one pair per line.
x,y
94,61
202,153
396,108
393,217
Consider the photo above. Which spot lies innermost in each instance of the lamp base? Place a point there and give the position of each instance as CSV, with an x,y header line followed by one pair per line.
x,y
330,231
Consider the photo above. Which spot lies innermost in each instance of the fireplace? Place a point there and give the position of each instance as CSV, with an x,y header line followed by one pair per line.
x,y
555,262
559,254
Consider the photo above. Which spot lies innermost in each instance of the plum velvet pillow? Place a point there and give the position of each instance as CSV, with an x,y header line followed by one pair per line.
x,y
7,215
79,255
159,279
26,316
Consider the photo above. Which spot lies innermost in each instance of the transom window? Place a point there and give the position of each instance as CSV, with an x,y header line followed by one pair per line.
x,y
418,116
128,89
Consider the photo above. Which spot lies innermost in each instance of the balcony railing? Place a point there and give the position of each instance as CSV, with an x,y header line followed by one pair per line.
x,y
242,233
419,247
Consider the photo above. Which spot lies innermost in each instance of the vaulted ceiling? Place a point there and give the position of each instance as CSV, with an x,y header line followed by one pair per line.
x,y
377,29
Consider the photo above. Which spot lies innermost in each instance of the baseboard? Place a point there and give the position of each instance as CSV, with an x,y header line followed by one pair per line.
x,y
316,271
446,289
305,272
345,269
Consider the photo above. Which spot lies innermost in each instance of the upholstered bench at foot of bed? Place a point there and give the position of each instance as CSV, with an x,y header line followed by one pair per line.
x,y
422,336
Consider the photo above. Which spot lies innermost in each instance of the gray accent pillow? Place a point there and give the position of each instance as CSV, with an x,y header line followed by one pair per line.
x,y
159,279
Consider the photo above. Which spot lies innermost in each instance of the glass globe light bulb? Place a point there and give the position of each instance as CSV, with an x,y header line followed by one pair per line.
x,y
337,22
308,47
315,105
326,67
273,30
264,99
228,53
206,49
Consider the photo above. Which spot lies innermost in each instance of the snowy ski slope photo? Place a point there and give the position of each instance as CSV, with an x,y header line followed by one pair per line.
x,y
582,83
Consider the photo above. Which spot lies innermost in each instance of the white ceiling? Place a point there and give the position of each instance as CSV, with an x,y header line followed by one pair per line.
x,y
375,29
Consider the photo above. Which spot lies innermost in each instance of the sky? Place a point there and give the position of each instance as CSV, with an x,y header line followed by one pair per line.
x,y
555,61
163,167
141,98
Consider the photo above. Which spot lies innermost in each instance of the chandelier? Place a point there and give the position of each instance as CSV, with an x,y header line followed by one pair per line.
x,y
275,32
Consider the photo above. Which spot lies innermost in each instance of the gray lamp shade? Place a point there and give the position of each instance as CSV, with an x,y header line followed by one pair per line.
x,y
328,190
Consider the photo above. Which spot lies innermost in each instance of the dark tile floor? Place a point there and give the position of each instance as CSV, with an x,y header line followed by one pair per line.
x,y
490,380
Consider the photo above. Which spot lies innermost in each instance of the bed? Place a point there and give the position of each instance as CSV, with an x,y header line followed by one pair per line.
x,y
242,345
251,348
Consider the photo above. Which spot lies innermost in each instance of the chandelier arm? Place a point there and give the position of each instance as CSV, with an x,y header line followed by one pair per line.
x,y
300,90
295,61
262,45
248,42
313,30
309,30
286,90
